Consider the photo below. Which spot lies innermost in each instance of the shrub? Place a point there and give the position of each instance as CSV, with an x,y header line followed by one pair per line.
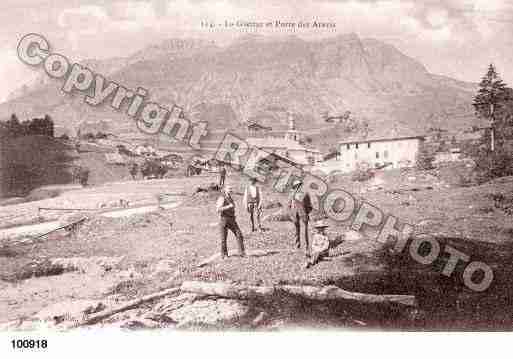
x,y
81,174
88,136
425,161
490,165
362,175
101,135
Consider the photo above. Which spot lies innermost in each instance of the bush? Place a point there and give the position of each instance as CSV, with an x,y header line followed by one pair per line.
x,y
490,165
81,174
125,151
425,161
101,135
88,137
362,173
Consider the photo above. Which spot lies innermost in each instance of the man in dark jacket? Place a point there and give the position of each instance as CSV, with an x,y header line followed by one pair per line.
x,y
226,208
300,206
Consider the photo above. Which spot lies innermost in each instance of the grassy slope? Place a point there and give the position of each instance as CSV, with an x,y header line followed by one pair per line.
x,y
33,161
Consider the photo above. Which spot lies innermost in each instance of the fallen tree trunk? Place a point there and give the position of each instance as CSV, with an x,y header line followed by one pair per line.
x,y
336,293
307,292
130,305
225,290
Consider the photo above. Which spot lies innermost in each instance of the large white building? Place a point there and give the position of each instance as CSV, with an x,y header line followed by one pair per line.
x,y
393,152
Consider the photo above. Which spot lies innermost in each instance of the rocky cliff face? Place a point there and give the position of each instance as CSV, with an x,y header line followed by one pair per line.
x,y
259,77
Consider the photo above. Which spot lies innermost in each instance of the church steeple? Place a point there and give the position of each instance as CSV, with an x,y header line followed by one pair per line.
x,y
292,122
292,132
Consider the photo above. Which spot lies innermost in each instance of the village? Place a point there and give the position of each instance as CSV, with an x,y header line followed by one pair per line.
x,y
392,149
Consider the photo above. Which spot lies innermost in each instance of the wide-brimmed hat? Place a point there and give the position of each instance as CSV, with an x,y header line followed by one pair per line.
x,y
322,223
296,183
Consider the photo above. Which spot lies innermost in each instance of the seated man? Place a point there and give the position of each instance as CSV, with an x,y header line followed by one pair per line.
x,y
320,243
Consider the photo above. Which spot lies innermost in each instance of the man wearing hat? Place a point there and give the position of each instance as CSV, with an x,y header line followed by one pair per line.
x,y
226,208
253,202
222,176
320,243
300,206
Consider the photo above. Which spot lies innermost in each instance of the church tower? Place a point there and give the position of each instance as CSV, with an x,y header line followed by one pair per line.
x,y
292,132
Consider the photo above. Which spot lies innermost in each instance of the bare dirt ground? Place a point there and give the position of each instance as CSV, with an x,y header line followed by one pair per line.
x,y
161,249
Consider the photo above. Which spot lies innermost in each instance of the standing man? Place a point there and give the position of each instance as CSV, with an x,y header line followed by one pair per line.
x,y
222,176
226,208
300,206
253,202
133,170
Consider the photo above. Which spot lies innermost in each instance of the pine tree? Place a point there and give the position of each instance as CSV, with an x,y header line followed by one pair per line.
x,y
492,94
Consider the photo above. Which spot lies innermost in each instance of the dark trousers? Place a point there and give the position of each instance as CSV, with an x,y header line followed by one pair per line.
x,y
229,223
297,223
221,180
252,208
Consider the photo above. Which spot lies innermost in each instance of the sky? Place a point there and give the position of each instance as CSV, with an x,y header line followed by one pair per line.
x,y
457,38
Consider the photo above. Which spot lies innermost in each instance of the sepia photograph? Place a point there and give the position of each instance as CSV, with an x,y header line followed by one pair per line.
x,y
255,166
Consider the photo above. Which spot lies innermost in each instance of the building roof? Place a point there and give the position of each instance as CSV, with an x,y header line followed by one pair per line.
x,y
392,135
258,126
272,142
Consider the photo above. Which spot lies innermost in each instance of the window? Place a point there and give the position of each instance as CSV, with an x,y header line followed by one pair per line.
x,y
377,154
348,146
368,145
385,154
356,146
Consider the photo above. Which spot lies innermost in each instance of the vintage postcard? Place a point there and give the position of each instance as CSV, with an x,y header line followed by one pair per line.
x,y
255,166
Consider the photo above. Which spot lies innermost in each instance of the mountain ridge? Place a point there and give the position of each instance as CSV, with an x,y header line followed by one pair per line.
x,y
227,86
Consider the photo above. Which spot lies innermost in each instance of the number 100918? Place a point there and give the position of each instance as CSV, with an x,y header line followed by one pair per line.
x,y
29,343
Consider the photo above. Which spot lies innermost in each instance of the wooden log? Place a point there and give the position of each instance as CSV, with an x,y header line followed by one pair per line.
x,y
336,293
127,306
308,292
226,290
